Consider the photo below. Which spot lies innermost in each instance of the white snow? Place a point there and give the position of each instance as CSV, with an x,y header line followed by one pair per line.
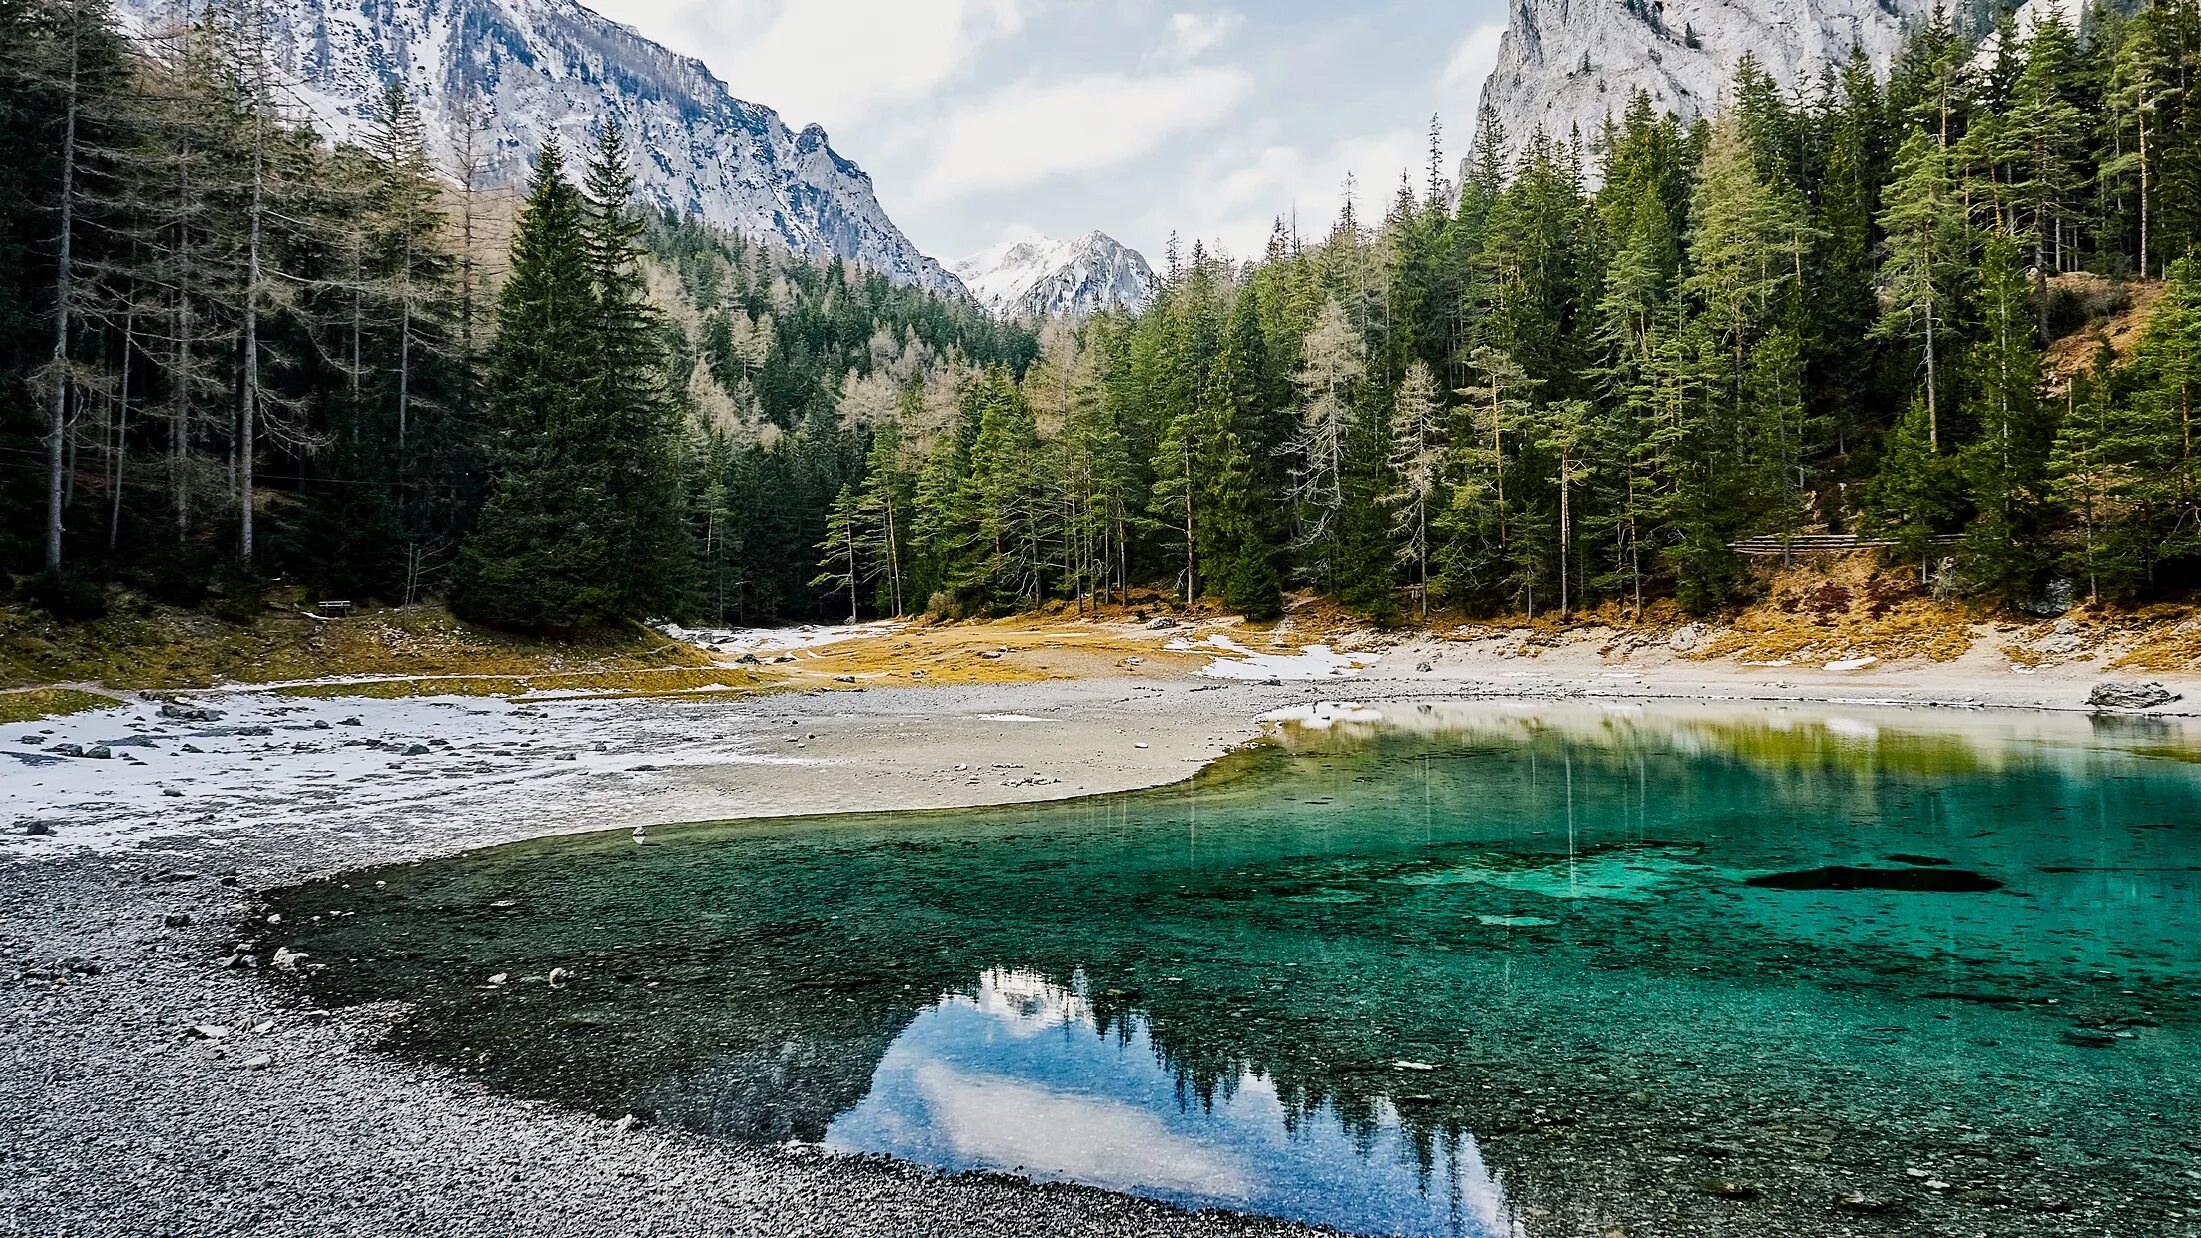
x,y
1853,664
772,642
1036,276
276,758
1010,718
1312,662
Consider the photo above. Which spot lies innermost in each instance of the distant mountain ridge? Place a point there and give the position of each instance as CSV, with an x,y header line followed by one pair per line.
x,y
1037,277
543,67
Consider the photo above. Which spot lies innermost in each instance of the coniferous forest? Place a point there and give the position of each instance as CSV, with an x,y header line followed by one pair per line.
x,y
1574,378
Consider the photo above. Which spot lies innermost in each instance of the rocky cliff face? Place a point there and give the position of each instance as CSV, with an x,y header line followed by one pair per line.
x,y
535,68
1042,278
1569,63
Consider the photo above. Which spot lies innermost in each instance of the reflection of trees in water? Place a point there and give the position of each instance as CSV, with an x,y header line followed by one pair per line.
x,y
749,984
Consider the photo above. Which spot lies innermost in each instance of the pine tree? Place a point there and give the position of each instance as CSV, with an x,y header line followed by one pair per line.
x,y
2003,467
1416,460
1909,498
843,567
1329,375
1927,244
583,527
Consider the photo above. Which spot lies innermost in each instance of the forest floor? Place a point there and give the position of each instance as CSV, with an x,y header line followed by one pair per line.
x,y
1832,623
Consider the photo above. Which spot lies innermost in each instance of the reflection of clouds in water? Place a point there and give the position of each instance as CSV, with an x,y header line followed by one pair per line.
x,y
1027,1004
1018,1075
993,1120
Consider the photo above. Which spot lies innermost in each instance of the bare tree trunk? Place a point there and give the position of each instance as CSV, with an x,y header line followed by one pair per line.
x,y
249,399
122,425
64,306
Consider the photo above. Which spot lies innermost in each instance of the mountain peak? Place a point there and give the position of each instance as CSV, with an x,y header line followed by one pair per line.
x,y
1034,276
539,68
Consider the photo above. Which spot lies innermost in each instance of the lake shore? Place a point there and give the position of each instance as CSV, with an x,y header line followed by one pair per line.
x,y
116,924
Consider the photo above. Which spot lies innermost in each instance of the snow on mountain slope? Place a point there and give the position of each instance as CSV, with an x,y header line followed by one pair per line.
x,y
538,67
1564,64
1040,278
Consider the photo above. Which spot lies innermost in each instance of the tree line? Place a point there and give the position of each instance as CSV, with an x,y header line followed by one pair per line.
x,y
1577,378
1564,380
233,352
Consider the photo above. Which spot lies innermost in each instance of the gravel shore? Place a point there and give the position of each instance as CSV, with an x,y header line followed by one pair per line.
x,y
121,1120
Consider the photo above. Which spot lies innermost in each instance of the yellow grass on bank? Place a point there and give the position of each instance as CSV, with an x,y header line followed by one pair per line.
x,y
38,704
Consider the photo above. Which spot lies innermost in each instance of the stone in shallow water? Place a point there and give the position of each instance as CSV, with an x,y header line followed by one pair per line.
x,y
1907,880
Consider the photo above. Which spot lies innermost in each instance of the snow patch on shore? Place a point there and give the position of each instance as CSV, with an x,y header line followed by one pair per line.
x,y
773,642
272,759
1312,662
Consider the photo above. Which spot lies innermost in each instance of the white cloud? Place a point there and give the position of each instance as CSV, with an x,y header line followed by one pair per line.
x,y
1471,63
1034,130
829,61
1190,34
1237,205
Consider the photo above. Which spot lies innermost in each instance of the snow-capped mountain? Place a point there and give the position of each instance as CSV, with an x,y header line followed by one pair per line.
x,y
1040,278
538,67
1568,63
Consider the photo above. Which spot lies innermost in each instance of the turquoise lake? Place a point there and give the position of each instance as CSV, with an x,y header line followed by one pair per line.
x,y
1476,970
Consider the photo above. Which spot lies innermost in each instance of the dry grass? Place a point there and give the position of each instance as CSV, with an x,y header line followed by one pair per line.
x,y
2074,354
2163,638
143,645
1006,651
1849,611
38,704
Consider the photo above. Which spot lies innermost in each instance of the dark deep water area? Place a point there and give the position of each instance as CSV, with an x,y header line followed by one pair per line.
x,y
1478,970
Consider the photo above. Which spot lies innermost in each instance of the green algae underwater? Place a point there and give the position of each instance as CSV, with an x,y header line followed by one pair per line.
x,y
1474,970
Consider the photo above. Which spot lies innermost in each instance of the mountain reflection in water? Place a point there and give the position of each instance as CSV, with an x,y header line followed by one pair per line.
x,y
1023,1076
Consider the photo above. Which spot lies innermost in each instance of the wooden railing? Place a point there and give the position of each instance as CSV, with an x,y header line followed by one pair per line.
x,y
1778,546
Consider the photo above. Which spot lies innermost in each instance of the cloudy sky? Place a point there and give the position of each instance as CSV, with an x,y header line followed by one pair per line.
x,y
983,119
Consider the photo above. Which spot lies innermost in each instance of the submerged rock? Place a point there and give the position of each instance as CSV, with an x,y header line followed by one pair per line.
x,y
1909,880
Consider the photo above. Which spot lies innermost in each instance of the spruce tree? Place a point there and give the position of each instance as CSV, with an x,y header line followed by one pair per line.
x,y
2002,467
583,527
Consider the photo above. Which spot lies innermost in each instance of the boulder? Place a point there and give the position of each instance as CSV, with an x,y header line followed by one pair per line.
x,y
1160,623
1687,637
189,713
2119,695
99,752
2055,601
67,750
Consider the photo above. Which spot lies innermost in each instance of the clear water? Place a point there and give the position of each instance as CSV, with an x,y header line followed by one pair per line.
x,y
1483,971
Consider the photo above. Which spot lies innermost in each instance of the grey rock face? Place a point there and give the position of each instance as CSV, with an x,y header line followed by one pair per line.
x,y
526,70
1568,64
